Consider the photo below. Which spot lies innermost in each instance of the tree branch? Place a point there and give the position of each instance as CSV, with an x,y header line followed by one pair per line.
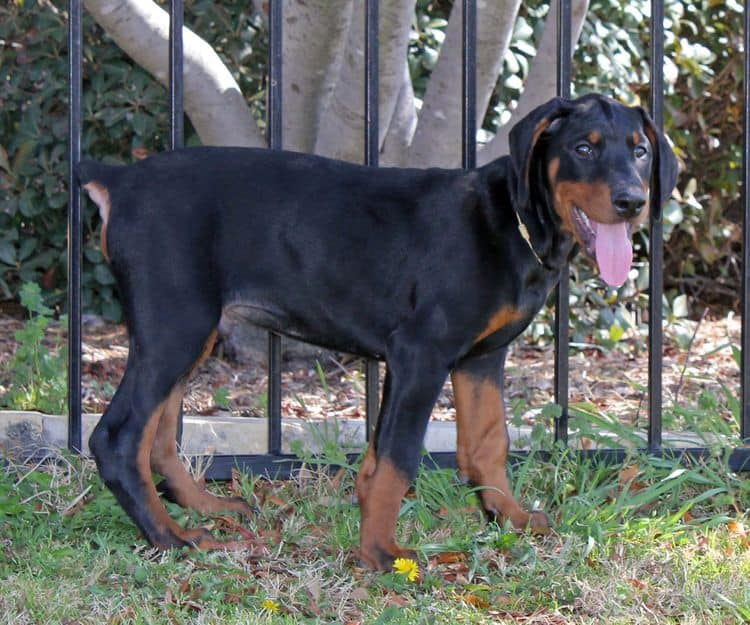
x,y
437,141
541,83
341,133
403,122
213,100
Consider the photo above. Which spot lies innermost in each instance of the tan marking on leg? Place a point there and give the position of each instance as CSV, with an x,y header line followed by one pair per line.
x,y
164,460
365,473
163,522
207,347
482,449
379,503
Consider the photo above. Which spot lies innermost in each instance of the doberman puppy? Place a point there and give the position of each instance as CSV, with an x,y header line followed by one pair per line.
x,y
434,271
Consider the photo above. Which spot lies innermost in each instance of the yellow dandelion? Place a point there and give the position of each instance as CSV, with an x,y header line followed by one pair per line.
x,y
271,606
407,567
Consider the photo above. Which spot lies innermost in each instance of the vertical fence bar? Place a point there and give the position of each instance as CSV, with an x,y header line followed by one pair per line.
x,y
469,85
372,145
176,106
745,364
656,245
562,293
176,103
74,227
274,117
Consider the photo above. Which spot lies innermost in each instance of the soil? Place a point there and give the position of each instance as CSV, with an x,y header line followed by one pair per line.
x,y
612,380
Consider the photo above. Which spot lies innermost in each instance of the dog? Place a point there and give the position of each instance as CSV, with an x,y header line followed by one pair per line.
x,y
434,271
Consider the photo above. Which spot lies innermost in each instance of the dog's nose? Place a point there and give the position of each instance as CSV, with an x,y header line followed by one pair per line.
x,y
629,203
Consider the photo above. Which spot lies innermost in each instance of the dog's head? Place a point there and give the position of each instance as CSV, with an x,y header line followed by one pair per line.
x,y
596,162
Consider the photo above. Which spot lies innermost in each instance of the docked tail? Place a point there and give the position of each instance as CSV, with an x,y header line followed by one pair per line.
x,y
97,178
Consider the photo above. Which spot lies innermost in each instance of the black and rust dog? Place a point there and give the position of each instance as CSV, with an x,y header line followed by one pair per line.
x,y
434,271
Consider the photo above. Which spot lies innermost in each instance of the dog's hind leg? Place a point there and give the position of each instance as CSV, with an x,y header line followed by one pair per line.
x,y
483,438
162,354
178,485
121,444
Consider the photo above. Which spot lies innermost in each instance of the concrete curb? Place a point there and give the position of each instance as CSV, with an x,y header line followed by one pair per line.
x,y
221,434
227,435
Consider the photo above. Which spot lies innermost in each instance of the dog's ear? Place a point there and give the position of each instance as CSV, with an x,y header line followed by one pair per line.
x,y
665,165
523,138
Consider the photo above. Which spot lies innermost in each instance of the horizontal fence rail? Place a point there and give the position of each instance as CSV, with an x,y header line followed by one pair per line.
x,y
274,462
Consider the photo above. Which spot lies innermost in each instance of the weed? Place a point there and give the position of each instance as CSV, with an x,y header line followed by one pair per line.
x,y
39,375
323,379
221,398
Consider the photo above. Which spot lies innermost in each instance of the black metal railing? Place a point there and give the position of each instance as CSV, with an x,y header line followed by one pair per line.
x,y
276,463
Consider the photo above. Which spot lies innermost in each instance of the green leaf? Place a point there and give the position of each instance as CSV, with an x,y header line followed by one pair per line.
x,y
616,332
7,253
551,411
103,275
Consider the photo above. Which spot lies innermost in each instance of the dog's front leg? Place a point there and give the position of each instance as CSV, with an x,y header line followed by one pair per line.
x,y
413,382
483,438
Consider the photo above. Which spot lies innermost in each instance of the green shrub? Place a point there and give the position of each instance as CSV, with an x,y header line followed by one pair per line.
x,y
38,374
125,110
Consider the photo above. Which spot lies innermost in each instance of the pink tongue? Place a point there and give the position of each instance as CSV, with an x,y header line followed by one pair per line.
x,y
614,253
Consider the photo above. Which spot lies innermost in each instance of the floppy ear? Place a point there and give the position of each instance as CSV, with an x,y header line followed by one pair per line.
x,y
665,168
522,139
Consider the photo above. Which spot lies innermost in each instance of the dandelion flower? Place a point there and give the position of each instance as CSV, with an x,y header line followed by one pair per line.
x,y
407,567
271,606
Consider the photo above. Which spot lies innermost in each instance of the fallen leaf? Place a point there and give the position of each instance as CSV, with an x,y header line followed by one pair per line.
x,y
234,484
360,594
474,600
627,475
449,557
396,600
736,528
231,524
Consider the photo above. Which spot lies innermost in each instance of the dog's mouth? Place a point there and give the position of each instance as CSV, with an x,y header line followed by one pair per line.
x,y
609,244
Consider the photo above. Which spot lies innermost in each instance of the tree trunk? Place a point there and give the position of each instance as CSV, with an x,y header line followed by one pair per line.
x,y
437,141
541,83
213,101
403,123
341,133
315,37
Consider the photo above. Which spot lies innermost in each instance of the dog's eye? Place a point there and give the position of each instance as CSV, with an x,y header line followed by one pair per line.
x,y
639,151
584,150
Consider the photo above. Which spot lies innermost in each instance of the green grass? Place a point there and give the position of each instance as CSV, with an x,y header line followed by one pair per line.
x,y
652,542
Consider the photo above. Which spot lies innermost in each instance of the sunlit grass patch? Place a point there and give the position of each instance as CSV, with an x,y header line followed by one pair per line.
x,y
649,540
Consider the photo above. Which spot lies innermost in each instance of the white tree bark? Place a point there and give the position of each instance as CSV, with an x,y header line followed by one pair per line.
x,y
541,83
437,141
213,101
315,36
341,133
403,123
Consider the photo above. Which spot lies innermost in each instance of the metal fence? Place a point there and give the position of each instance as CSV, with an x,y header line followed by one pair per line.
x,y
278,464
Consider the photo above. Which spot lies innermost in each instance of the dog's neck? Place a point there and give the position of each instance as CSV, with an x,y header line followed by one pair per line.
x,y
548,245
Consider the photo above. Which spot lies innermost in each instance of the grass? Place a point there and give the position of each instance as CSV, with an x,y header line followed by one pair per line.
x,y
649,542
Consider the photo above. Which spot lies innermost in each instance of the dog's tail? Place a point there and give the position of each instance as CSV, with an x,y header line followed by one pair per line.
x,y
98,178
